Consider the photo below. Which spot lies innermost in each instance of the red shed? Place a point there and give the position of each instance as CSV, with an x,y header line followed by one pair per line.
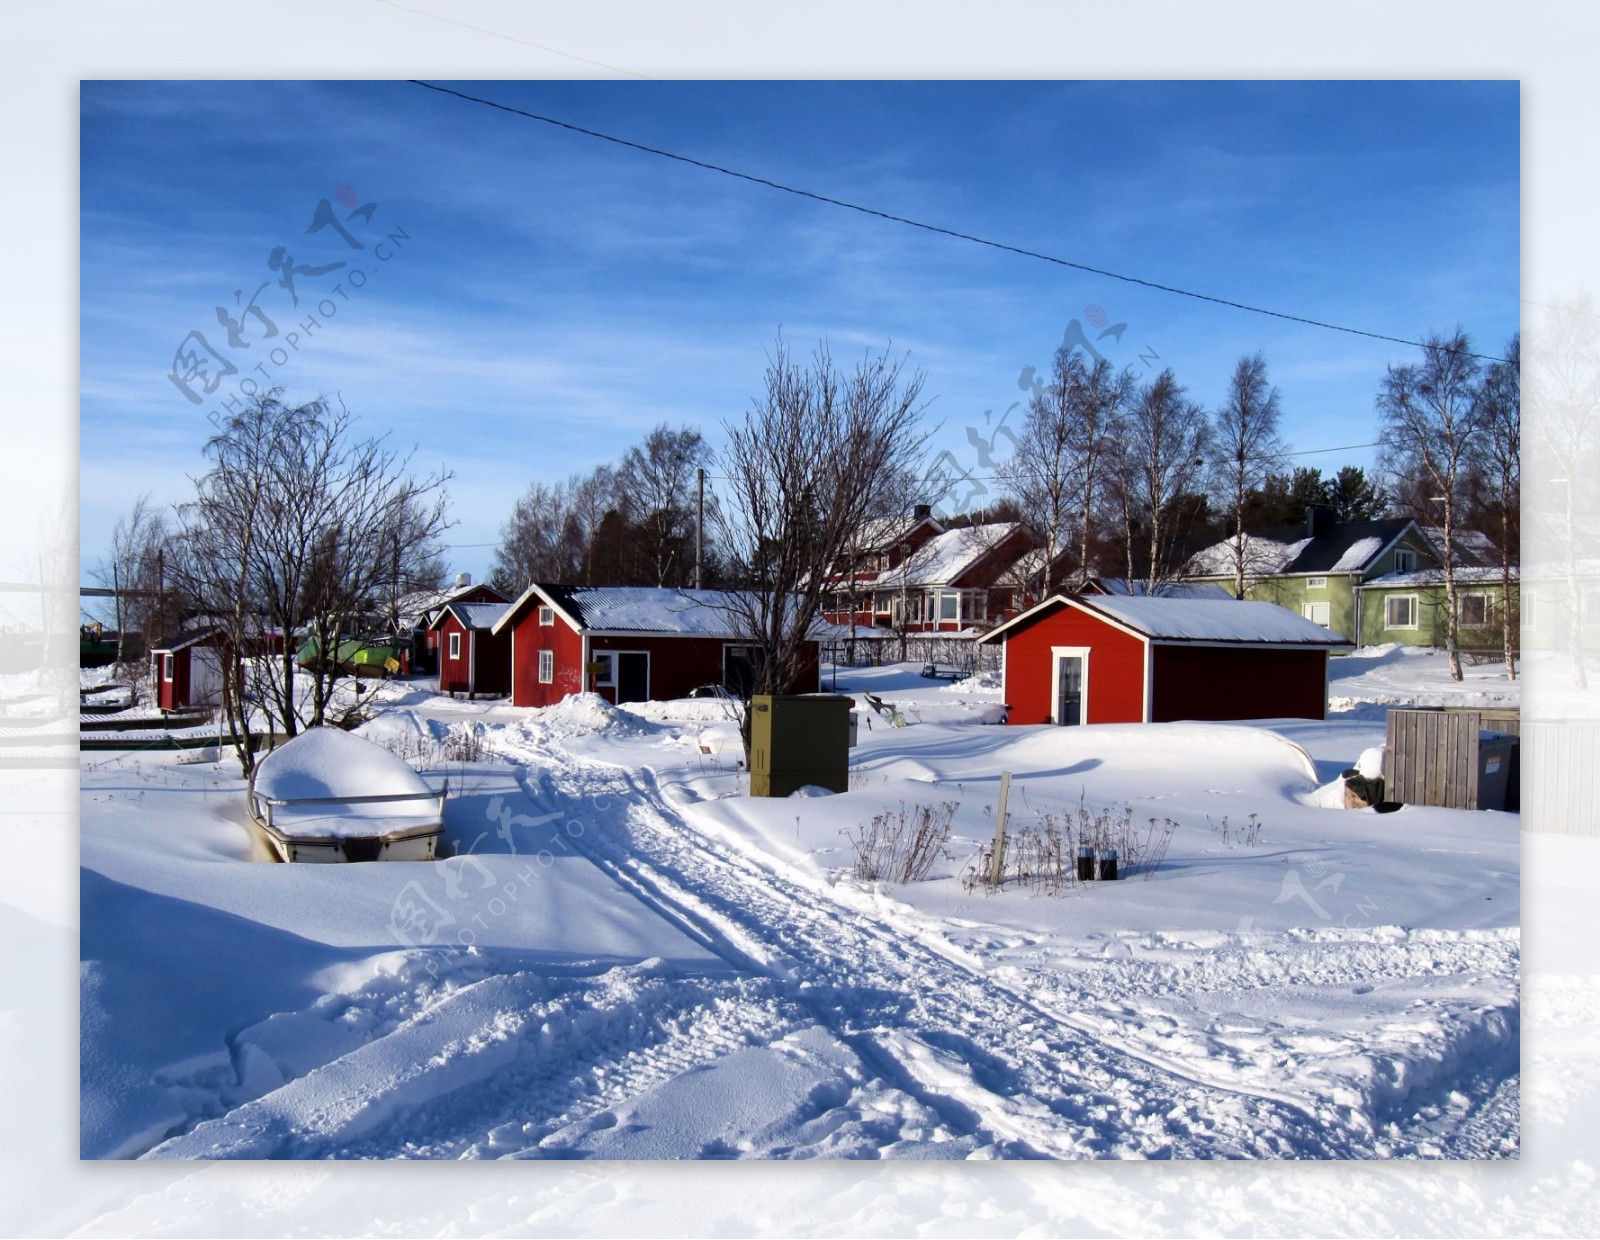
x,y
1075,659
187,669
628,644
474,658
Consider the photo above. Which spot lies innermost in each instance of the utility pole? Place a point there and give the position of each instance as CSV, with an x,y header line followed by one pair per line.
x,y
699,522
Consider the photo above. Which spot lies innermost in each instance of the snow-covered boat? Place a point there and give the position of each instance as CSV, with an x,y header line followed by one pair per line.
x,y
329,795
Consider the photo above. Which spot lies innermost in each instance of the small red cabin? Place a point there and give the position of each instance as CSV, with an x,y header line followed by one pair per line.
x,y
473,658
628,644
187,669
1075,659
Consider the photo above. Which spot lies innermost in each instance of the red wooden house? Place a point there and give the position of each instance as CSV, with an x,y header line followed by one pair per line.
x,y
473,658
418,612
1079,659
628,644
187,669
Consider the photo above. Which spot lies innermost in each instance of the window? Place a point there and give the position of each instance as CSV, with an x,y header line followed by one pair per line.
x,y
547,616
166,667
607,675
455,645
1317,613
949,606
1405,561
1475,611
1317,583
547,666
1400,611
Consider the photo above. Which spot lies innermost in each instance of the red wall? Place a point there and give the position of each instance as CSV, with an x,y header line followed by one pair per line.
x,y
528,637
1212,682
677,664
487,670
173,694
1116,668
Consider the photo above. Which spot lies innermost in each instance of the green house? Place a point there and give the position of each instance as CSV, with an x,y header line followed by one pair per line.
x,y
1369,581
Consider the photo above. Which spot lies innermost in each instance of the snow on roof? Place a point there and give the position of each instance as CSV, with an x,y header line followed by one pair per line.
x,y
479,615
1231,620
947,557
1472,547
648,609
1194,620
1473,573
885,532
1261,555
414,608
1356,555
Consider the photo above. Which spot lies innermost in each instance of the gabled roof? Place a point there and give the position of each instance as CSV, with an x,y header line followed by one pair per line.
x,y
1349,547
642,610
945,559
189,636
422,606
1210,621
480,616
886,533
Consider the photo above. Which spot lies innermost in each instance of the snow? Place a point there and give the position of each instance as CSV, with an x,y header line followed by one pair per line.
x,y
1357,554
1473,574
479,615
943,559
1233,620
328,762
620,955
1262,557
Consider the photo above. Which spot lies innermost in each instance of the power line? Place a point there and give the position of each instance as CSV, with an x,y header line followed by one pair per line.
x,y
933,228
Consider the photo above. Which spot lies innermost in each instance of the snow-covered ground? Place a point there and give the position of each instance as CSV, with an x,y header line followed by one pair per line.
x,y
626,957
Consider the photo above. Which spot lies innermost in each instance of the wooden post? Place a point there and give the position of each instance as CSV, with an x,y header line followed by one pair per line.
x,y
997,864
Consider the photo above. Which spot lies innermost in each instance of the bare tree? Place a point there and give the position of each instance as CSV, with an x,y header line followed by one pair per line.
x,y
1431,423
1057,473
1247,446
1500,462
1164,443
801,470
135,572
292,528
656,480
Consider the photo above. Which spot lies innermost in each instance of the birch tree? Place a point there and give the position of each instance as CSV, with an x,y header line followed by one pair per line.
x,y
1431,422
1164,441
1247,446
1500,461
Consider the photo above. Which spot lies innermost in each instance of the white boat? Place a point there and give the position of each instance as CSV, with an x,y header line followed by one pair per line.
x,y
329,795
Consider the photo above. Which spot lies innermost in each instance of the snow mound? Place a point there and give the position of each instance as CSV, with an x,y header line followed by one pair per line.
x,y
812,790
394,730
586,714
327,762
1370,763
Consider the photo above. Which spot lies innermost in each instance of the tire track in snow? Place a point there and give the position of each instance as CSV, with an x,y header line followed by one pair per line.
x,y
988,1060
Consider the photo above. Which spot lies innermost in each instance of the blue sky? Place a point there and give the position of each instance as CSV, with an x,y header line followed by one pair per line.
x,y
554,296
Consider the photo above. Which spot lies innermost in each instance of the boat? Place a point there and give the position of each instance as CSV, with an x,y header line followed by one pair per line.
x,y
328,796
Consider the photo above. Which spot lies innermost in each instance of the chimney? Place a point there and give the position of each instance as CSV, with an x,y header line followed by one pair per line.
x,y
1319,519
922,512
463,580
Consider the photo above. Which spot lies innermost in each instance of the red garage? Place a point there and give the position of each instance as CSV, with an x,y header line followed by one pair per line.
x,y
188,669
628,644
1155,660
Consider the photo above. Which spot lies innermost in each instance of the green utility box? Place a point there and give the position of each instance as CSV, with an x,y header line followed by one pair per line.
x,y
799,739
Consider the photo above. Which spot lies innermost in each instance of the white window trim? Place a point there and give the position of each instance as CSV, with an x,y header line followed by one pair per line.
x,y
1316,583
167,660
1415,613
1057,653
455,645
547,617
1307,608
1488,607
547,667
1409,564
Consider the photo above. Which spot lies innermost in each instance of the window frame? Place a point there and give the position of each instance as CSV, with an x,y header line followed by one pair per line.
x,y
1488,609
547,667
1405,560
547,617
1388,615
455,645
1316,583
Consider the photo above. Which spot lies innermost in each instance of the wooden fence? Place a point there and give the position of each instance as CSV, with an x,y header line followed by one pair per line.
x,y
1432,755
